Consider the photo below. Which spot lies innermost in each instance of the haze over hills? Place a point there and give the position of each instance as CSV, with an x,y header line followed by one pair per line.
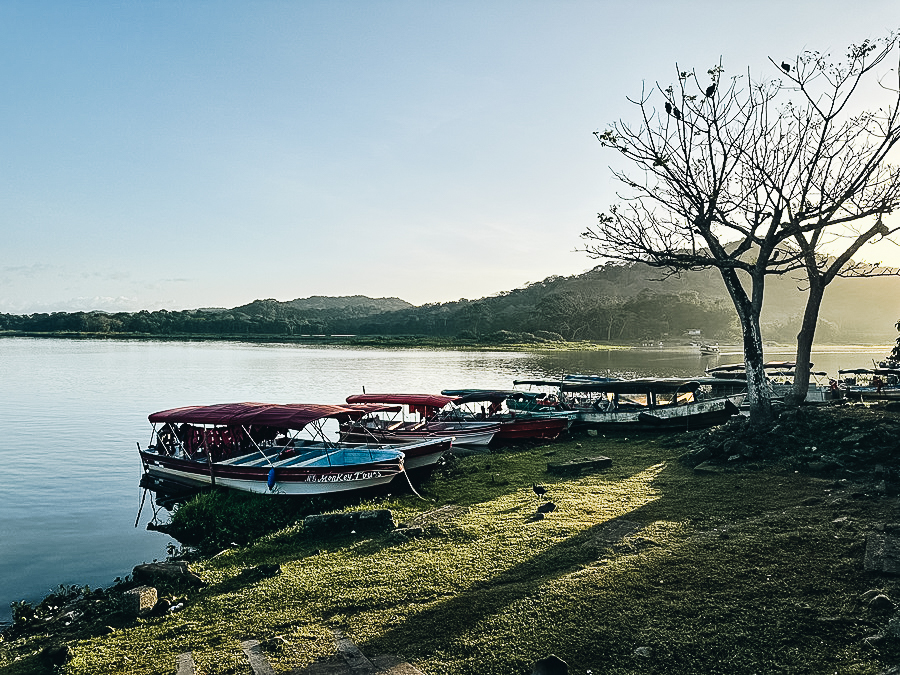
x,y
607,303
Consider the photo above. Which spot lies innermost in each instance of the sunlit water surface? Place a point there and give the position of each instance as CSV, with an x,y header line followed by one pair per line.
x,y
72,412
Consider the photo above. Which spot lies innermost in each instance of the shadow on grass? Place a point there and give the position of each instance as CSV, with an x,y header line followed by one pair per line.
x,y
700,604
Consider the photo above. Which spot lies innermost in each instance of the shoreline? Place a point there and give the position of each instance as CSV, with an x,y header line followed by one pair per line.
x,y
742,556
425,342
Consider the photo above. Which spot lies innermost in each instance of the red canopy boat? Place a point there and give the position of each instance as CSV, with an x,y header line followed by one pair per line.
x,y
427,422
256,447
514,424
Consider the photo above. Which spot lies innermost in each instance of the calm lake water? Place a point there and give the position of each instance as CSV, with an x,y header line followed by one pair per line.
x,y
72,412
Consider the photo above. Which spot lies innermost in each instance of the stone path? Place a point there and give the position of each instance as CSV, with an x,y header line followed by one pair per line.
x,y
353,662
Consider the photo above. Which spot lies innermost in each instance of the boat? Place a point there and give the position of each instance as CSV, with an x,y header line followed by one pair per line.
x,y
657,403
515,424
547,399
780,379
258,447
707,349
426,422
870,384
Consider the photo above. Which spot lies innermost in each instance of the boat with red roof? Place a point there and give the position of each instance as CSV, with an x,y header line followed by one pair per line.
x,y
258,447
426,421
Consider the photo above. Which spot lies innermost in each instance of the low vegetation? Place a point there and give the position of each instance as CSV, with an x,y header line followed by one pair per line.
x,y
755,566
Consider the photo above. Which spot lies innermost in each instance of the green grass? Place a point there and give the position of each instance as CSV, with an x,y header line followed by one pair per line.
x,y
720,574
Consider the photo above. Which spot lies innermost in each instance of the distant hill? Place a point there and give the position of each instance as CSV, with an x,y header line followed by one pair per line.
x,y
612,303
319,308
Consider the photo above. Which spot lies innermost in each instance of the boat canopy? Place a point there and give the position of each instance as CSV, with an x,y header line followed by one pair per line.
x,y
870,371
538,383
768,365
481,395
284,416
423,404
638,386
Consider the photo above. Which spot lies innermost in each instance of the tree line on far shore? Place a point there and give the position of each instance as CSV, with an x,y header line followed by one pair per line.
x,y
610,303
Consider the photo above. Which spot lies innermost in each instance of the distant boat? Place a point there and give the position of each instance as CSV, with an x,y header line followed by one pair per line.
x,y
707,349
256,447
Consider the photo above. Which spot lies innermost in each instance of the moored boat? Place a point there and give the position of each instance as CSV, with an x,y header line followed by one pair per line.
x,y
426,423
780,379
657,403
870,384
514,424
257,447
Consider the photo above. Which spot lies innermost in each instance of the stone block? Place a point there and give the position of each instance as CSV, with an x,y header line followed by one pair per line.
x,y
882,553
575,466
140,601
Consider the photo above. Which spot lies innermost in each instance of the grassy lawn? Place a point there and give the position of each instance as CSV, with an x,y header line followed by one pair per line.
x,y
642,568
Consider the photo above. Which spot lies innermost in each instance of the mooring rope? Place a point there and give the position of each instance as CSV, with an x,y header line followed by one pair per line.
x,y
408,480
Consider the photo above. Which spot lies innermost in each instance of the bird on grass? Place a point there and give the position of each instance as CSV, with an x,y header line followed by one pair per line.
x,y
539,490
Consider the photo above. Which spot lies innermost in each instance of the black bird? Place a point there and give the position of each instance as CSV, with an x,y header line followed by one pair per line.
x,y
539,490
710,90
668,108
549,507
676,113
786,67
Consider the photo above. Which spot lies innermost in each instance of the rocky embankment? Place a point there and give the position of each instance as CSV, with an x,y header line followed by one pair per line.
x,y
848,440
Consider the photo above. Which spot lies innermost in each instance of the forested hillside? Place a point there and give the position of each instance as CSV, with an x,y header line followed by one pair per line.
x,y
611,303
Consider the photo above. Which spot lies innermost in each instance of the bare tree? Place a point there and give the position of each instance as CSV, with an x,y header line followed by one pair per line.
x,y
837,177
736,176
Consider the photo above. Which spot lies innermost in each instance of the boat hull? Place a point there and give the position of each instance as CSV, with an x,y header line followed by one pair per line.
x,y
290,477
538,427
689,416
871,394
458,433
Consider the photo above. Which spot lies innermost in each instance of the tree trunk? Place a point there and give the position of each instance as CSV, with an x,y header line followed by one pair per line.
x,y
758,391
805,342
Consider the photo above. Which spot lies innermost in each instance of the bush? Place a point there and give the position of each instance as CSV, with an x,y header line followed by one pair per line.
x,y
549,336
219,519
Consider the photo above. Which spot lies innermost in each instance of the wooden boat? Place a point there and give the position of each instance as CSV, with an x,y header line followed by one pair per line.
x,y
780,378
547,398
425,423
514,424
670,403
257,447
870,384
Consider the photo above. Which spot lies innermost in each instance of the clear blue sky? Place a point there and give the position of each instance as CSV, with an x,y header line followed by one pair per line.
x,y
195,154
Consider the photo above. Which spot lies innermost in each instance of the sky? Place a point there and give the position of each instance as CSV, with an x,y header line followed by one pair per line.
x,y
170,154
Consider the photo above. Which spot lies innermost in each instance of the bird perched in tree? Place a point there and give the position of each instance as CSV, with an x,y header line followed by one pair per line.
x,y
668,108
710,90
786,67
676,113
539,490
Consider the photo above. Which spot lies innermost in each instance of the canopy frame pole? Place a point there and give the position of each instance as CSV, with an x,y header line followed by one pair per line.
x,y
255,445
209,462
